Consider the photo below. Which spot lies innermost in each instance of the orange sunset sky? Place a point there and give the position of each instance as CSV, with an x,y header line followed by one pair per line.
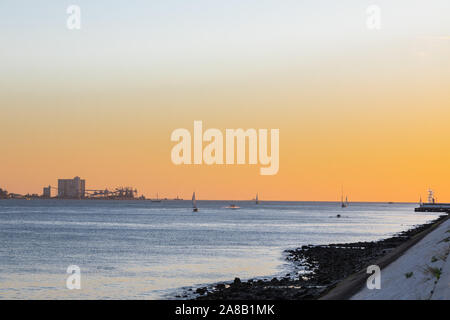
x,y
366,109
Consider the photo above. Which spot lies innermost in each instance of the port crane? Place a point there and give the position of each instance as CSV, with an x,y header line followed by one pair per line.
x,y
117,193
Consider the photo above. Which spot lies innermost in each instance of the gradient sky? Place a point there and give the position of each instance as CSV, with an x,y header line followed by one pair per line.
x,y
365,109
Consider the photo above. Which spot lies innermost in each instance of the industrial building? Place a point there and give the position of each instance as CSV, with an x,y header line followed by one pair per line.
x,y
71,188
47,192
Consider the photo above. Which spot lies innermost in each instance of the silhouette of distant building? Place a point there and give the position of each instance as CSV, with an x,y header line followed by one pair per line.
x,y
71,188
3,194
47,192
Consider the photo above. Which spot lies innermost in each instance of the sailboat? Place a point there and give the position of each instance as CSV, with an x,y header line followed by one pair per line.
x,y
194,203
344,204
156,200
256,199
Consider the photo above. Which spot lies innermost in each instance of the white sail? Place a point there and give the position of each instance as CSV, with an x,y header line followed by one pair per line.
x,y
343,204
194,201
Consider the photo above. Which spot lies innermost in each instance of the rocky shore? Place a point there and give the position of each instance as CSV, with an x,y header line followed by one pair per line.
x,y
317,269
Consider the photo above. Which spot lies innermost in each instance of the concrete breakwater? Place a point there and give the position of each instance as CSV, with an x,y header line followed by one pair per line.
x,y
334,271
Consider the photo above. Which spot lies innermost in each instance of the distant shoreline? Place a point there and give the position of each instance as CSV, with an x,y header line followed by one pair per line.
x,y
212,200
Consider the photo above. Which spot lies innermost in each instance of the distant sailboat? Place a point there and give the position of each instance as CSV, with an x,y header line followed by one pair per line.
x,y
157,199
344,204
256,199
194,203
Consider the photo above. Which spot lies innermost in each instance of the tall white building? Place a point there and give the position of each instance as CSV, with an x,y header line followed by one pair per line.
x,y
71,188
